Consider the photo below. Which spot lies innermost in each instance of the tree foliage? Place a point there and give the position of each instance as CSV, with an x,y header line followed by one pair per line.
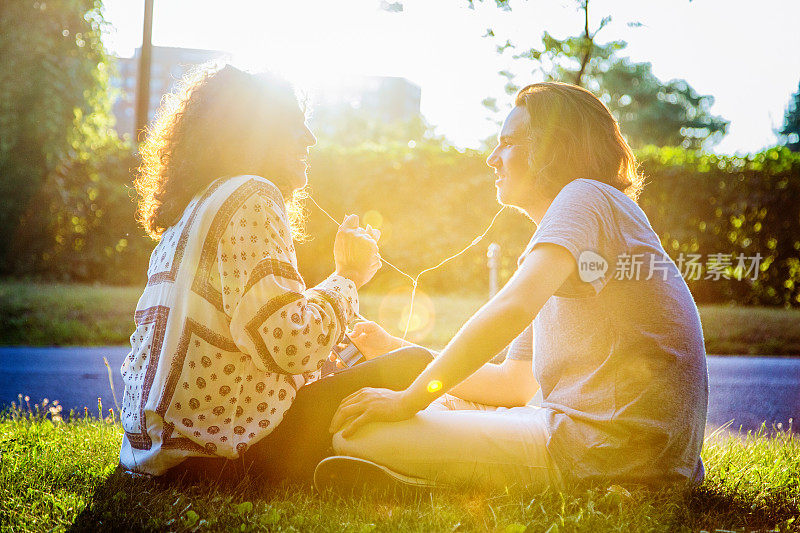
x,y
790,133
708,204
649,110
64,204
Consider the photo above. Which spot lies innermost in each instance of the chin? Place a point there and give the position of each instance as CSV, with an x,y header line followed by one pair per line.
x,y
300,183
297,181
502,197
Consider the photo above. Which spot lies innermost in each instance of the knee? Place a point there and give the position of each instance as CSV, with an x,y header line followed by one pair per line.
x,y
415,356
367,442
341,445
406,365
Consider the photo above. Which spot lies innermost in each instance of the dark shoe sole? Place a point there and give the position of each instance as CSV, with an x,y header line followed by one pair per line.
x,y
351,476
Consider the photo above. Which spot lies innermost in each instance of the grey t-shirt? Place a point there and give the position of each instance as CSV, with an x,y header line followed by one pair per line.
x,y
521,348
619,357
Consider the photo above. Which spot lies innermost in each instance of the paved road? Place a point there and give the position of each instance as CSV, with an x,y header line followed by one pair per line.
x,y
751,390
75,376
747,390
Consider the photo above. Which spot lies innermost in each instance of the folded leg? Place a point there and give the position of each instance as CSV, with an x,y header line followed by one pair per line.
x,y
498,448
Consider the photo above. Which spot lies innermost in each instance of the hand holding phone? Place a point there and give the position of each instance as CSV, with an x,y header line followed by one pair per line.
x,y
348,353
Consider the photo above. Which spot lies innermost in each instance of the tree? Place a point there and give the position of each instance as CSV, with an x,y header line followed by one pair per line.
x,y
65,207
649,110
790,133
54,103
652,112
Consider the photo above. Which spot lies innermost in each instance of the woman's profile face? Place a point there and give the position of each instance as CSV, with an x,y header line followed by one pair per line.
x,y
294,153
510,161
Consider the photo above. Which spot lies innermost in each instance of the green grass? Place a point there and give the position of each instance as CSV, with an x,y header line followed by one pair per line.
x,y
65,314
751,330
61,475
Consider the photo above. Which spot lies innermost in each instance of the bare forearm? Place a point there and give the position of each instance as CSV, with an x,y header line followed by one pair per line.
x,y
487,332
487,386
510,384
473,388
542,272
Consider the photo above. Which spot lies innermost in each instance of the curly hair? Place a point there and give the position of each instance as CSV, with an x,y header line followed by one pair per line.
x,y
574,135
217,123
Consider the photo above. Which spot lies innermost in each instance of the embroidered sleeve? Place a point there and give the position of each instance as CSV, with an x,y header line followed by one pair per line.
x,y
283,326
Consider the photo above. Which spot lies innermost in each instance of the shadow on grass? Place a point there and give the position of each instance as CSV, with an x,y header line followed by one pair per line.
x,y
125,503
710,508
122,503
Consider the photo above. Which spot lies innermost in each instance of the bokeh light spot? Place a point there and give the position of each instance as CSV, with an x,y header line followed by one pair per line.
x,y
373,218
394,309
434,385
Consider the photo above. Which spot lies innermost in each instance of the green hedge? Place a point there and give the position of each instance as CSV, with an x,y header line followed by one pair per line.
x,y
706,204
430,203
80,226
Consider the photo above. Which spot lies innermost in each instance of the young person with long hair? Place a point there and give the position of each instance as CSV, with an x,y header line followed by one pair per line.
x,y
619,358
227,333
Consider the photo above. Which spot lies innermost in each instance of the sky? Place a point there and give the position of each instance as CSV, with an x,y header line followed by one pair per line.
x,y
742,52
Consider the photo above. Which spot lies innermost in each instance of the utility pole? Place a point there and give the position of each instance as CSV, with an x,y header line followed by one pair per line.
x,y
143,78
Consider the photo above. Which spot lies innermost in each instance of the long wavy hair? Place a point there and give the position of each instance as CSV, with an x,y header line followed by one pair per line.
x,y
573,135
218,123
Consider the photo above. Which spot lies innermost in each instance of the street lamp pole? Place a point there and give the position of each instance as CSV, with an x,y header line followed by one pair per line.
x,y
143,78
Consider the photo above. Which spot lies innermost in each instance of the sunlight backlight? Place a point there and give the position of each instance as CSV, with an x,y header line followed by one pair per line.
x,y
394,312
438,46
420,318
316,46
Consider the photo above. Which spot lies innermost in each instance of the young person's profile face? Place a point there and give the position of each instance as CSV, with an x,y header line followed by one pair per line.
x,y
510,161
295,152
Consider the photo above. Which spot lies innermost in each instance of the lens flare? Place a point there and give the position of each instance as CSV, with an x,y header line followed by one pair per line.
x,y
434,385
394,313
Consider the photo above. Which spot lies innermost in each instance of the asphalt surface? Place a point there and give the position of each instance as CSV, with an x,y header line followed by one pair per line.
x,y
753,390
76,376
745,390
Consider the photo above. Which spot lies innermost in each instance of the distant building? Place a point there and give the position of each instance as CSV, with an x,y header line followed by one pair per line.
x,y
168,66
385,99
381,99
388,99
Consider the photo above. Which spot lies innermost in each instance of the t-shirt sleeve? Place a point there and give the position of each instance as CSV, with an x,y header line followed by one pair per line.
x,y
280,324
581,220
521,348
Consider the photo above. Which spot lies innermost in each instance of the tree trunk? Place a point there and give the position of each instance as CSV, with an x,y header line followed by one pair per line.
x,y
587,54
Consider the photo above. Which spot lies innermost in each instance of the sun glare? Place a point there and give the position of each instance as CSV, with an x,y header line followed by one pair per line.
x,y
314,50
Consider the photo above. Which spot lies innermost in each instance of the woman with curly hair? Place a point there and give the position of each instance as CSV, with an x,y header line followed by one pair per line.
x,y
618,355
227,333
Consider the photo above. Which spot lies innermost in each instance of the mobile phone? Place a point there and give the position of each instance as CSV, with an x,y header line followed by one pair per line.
x,y
349,354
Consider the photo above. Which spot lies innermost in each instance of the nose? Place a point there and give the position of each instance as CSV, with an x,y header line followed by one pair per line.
x,y
494,160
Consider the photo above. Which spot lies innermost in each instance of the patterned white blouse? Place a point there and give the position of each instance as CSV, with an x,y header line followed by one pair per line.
x,y
226,331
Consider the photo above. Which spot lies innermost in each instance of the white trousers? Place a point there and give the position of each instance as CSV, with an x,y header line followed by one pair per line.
x,y
455,442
